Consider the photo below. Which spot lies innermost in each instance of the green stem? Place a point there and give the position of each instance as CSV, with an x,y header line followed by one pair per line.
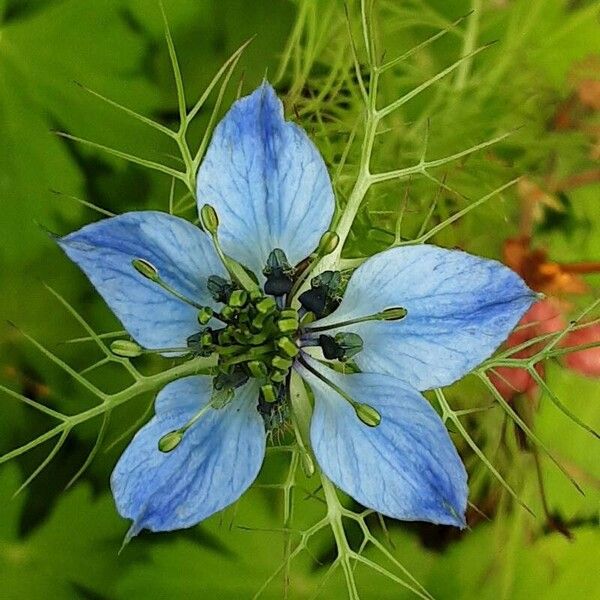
x,y
469,45
142,385
334,515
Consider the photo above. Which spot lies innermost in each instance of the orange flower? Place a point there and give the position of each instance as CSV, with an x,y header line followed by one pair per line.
x,y
547,316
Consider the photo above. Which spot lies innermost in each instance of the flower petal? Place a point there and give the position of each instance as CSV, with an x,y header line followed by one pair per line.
x,y
460,308
217,460
267,182
182,253
406,467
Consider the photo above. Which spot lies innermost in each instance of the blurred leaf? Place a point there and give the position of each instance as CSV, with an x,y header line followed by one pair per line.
x,y
40,57
75,549
232,562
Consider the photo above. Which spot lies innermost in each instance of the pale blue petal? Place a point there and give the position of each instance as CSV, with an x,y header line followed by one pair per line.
x,y
217,460
182,253
406,467
267,182
460,309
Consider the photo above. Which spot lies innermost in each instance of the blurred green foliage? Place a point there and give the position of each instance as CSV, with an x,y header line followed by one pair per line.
x,y
57,544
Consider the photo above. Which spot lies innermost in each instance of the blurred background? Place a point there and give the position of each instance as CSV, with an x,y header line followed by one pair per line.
x,y
540,81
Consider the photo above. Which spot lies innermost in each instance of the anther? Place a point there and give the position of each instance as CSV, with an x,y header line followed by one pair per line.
x,y
393,314
228,313
257,368
367,414
266,306
126,349
170,441
278,376
201,343
209,219
328,243
287,325
145,268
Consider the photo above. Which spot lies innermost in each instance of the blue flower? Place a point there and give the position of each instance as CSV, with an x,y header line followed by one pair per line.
x,y
410,319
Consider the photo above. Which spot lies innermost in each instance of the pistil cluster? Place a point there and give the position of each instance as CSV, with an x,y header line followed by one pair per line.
x,y
258,339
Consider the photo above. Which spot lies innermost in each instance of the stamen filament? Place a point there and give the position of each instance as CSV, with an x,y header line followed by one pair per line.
x,y
366,413
389,314
149,271
210,223
129,349
169,441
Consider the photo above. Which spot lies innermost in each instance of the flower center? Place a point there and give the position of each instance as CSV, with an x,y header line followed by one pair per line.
x,y
261,334
258,340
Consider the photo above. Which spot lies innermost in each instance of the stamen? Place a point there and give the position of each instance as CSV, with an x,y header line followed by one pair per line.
x,y
126,349
210,223
170,441
327,244
129,349
258,369
389,314
365,412
149,271
238,298
201,343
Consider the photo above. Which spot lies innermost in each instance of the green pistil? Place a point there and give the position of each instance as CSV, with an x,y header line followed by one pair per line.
x,y
205,314
287,325
238,298
281,364
287,347
258,341
268,393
